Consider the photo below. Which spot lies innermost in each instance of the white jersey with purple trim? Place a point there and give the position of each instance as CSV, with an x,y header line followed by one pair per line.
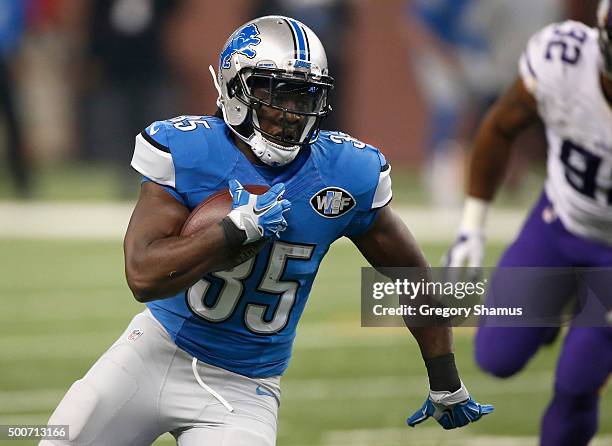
x,y
561,68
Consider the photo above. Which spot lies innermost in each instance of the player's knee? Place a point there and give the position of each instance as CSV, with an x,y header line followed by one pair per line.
x,y
494,359
497,365
503,352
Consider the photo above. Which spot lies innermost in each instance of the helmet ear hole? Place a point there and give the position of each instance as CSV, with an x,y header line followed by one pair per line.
x,y
233,88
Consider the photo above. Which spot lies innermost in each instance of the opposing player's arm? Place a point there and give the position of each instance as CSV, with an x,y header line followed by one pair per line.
x,y
159,262
389,243
513,112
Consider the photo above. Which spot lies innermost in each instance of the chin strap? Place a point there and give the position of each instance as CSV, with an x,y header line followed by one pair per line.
x,y
271,153
218,88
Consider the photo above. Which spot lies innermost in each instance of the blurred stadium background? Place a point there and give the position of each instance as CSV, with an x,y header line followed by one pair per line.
x,y
78,79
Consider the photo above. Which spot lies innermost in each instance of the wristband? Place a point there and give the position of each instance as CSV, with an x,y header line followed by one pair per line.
x,y
442,373
474,214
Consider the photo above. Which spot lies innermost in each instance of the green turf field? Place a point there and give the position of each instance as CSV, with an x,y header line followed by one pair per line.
x,y
64,303
94,182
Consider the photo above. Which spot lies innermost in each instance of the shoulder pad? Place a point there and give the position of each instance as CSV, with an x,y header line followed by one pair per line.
x,y
164,145
152,156
366,165
383,192
553,54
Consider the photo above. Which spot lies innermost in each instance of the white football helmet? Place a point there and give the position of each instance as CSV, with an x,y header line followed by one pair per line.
x,y
285,62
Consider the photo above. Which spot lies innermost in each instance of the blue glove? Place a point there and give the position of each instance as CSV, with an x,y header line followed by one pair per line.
x,y
259,216
450,410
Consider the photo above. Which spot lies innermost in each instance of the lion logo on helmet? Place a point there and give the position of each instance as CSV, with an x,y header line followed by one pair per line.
x,y
241,44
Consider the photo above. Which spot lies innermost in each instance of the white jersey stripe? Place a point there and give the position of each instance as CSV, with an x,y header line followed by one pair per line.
x,y
383,193
153,162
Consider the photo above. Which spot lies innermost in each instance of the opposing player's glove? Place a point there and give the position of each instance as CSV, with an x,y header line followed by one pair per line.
x,y
468,249
258,215
451,410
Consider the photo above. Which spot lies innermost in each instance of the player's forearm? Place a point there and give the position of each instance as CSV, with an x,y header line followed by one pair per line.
x,y
167,266
515,110
433,341
436,344
489,159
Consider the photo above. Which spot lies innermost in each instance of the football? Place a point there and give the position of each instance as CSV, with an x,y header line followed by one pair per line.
x,y
214,209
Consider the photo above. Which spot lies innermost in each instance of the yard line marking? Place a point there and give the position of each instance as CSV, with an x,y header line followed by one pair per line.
x,y
88,344
40,418
108,221
397,386
430,436
13,402
63,345
79,220
297,389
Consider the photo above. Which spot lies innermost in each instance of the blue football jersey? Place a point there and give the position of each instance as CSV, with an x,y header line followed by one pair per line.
x,y
244,319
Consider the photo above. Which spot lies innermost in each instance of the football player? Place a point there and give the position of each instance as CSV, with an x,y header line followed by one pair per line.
x,y
566,81
204,360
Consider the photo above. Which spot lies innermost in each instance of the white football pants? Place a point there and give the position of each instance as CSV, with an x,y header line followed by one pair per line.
x,y
144,386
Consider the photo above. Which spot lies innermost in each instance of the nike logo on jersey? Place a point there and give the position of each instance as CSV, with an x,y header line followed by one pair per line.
x,y
261,391
153,130
266,208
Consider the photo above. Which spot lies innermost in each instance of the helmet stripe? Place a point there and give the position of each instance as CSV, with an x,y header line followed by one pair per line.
x,y
301,42
307,43
293,37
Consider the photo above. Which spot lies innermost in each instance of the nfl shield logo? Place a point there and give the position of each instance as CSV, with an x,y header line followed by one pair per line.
x,y
332,202
135,334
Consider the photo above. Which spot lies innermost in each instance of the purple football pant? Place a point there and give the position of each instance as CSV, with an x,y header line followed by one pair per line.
x,y
582,370
586,357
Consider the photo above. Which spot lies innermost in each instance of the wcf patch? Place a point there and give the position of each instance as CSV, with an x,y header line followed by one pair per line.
x,y
332,202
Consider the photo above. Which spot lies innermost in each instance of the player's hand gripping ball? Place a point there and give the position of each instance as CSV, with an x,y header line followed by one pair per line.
x,y
219,205
259,216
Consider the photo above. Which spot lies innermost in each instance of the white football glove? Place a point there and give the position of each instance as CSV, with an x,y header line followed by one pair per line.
x,y
468,249
259,216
